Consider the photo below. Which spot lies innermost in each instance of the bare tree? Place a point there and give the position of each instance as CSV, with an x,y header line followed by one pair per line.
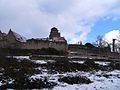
x,y
101,42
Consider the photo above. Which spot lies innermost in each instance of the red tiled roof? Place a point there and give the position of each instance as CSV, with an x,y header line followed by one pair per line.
x,y
59,39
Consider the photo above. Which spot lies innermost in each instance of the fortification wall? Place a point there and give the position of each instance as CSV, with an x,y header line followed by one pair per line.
x,y
38,44
62,46
35,45
84,51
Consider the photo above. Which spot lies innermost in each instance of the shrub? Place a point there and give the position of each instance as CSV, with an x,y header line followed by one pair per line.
x,y
74,80
89,45
17,70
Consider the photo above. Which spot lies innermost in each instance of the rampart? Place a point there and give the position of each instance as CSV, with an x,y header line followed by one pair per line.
x,y
39,44
82,51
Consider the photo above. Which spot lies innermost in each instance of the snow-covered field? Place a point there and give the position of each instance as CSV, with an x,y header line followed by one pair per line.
x,y
99,83
100,79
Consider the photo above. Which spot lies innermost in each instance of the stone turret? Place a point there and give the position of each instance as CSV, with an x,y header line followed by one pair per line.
x,y
54,33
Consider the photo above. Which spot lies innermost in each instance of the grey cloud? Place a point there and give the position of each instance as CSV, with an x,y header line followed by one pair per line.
x,y
34,18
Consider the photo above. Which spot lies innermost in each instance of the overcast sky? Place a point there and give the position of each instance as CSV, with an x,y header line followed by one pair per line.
x,y
77,20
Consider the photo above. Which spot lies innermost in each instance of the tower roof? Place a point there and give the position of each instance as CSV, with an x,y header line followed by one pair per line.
x,y
54,29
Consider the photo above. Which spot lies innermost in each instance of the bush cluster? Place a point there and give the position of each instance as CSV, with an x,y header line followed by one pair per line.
x,y
75,80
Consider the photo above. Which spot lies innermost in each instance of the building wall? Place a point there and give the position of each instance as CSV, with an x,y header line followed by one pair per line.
x,y
35,45
62,46
2,43
38,44
87,51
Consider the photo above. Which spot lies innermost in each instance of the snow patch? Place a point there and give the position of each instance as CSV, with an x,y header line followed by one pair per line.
x,y
19,57
80,62
39,61
102,63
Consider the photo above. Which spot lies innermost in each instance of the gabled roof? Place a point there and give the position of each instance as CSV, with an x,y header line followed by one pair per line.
x,y
18,37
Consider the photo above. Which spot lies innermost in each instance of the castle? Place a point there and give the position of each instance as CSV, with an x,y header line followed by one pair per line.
x,y
14,40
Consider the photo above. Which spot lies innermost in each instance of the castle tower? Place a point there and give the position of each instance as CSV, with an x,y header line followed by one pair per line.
x,y
54,33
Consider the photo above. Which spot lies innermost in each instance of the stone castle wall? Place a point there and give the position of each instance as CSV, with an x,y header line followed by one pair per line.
x,y
38,44
84,51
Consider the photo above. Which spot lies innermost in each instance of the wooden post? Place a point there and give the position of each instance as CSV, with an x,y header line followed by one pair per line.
x,y
113,45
